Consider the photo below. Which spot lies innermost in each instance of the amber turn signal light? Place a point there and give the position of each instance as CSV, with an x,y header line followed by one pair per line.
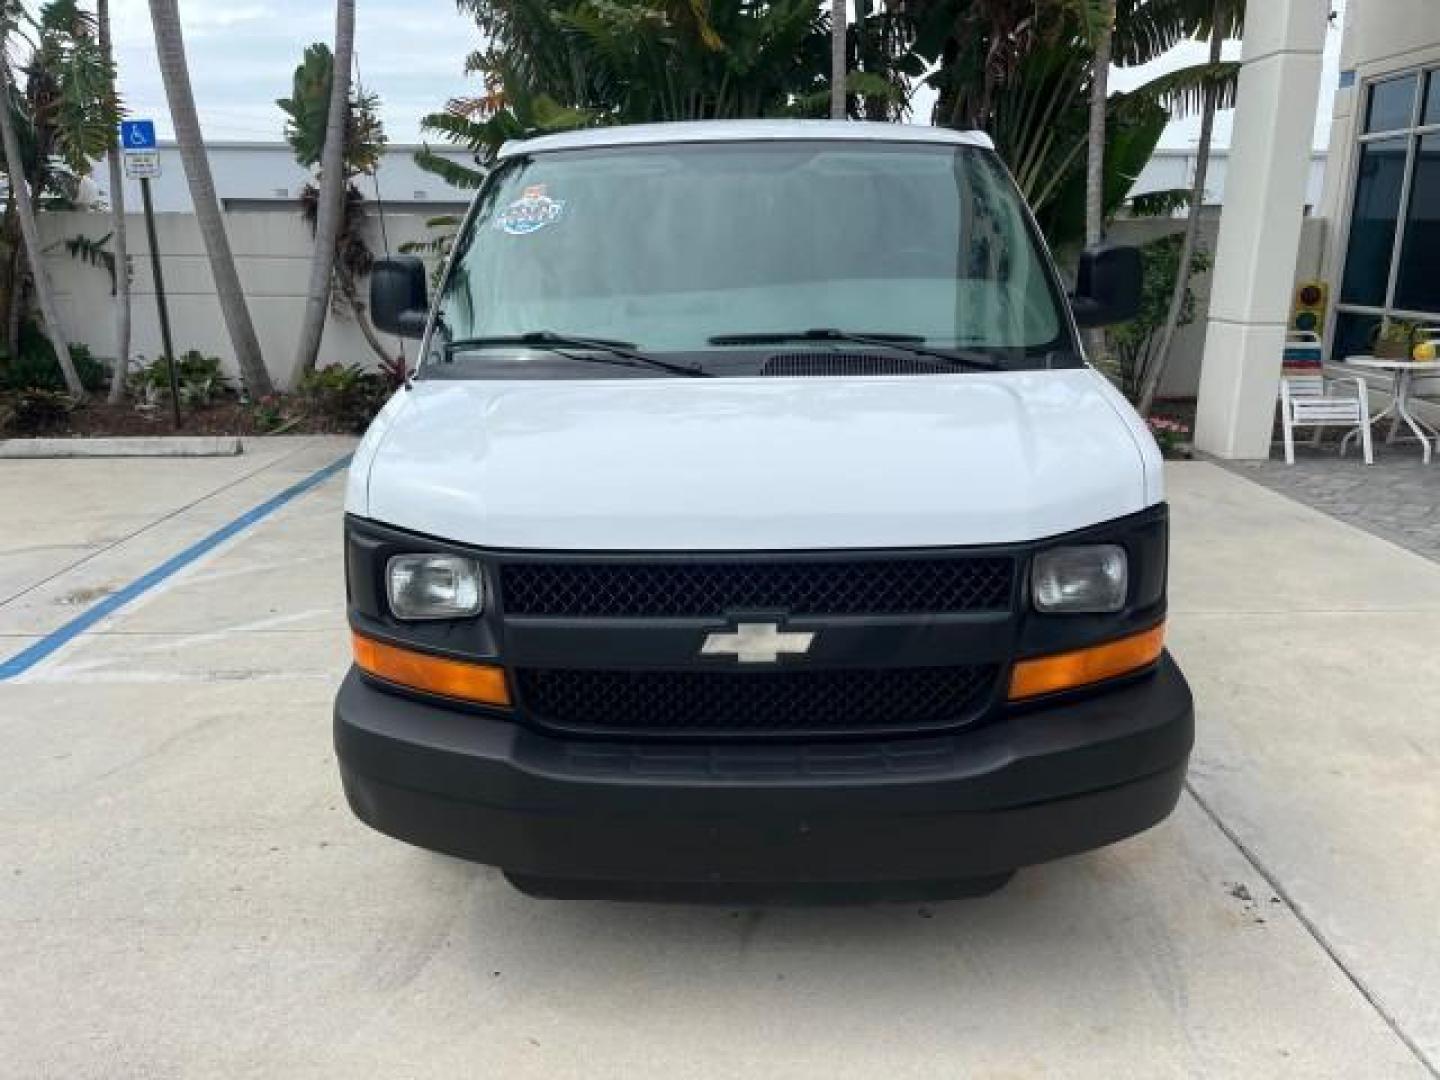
x,y
1068,670
481,683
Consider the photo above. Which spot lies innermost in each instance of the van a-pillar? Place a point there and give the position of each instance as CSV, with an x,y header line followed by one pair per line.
x,y
1260,226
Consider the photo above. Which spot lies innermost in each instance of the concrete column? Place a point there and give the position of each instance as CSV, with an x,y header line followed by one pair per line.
x,y
1260,226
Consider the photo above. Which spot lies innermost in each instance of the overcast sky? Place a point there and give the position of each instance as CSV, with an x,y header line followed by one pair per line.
x,y
243,54
411,52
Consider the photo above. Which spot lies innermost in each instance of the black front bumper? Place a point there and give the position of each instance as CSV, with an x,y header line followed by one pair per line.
x,y
1036,785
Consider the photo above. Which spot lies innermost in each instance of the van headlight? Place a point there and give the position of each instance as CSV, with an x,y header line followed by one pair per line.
x,y
434,586
1080,580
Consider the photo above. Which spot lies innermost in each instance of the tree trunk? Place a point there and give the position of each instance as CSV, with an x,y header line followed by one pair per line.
x,y
14,255
330,202
30,234
1095,162
1151,384
17,301
1095,156
117,214
170,50
838,64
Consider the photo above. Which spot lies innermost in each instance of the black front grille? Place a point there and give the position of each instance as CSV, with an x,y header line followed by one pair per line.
x,y
711,589
704,702
823,364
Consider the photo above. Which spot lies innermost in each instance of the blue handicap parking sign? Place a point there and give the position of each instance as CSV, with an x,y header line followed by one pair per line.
x,y
137,134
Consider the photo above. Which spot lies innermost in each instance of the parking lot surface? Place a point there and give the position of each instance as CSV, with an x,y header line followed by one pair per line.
x,y
183,892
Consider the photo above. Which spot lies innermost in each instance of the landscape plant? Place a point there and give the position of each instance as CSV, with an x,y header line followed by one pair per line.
x,y
33,367
557,65
1172,435
1023,70
331,188
199,378
66,113
1215,20
1133,348
36,411
307,112
343,397
1395,339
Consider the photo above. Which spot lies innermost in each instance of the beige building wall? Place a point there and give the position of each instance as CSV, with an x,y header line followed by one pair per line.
x,y
272,251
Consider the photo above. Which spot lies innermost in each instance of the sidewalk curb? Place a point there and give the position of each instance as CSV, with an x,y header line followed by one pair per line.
x,y
144,446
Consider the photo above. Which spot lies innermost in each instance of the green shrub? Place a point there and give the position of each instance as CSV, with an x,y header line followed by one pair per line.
x,y
36,410
198,376
1133,346
35,367
344,397
268,413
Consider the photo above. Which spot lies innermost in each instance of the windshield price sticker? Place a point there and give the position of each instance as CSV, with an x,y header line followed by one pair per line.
x,y
533,211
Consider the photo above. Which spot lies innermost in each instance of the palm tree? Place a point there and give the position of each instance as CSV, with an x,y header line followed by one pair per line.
x,y
837,60
1220,19
170,50
117,211
307,125
1026,71
331,200
25,212
553,65
1099,103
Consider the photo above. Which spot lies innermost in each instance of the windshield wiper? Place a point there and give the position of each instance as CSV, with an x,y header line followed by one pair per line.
x,y
906,343
622,353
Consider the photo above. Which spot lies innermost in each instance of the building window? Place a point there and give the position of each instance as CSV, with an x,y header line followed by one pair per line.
x,y
1392,257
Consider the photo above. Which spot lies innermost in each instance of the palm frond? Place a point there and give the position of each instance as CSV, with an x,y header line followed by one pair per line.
x,y
92,252
1147,29
1160,204
454,173
1183,92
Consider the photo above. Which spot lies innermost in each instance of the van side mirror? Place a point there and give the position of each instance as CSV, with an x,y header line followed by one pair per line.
x,y
1108,285
399,296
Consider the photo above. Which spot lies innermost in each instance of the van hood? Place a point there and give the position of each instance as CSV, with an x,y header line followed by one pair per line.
x,y
755,464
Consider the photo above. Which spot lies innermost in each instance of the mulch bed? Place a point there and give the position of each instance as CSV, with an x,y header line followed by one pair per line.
x,y
99,418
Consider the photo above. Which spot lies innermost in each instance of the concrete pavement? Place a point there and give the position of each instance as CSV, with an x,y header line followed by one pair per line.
x,y
184,894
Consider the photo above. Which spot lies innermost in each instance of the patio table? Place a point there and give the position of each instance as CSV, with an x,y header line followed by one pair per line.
x,y
1402,380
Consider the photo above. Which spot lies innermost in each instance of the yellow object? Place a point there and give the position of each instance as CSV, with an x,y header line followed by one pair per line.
x,y
483,683
1425,352
1066,671
1307,313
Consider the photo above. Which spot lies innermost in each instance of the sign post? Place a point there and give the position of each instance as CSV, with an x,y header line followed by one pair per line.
x,y
142,162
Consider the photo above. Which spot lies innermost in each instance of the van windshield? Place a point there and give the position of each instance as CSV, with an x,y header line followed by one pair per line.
x,y
697,249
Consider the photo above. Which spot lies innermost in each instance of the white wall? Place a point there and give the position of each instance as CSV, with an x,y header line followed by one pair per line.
x,y
1182,373
1387,35
1170,168
272,252
249,172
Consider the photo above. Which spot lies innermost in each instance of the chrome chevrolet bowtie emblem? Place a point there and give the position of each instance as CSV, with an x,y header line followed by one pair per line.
x,y
757,643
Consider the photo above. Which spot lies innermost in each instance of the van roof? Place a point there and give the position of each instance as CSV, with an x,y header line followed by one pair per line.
x,y
696,131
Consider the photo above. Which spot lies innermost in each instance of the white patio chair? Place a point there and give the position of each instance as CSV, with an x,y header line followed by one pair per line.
x,y
1311,399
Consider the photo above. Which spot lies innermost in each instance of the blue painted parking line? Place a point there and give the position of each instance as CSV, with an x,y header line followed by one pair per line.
x,y
23,661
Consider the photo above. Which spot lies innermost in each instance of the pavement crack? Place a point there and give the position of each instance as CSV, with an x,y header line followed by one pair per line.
x,y
1316,934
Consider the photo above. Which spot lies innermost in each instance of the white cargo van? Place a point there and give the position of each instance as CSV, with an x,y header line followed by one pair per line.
x,y
754,527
